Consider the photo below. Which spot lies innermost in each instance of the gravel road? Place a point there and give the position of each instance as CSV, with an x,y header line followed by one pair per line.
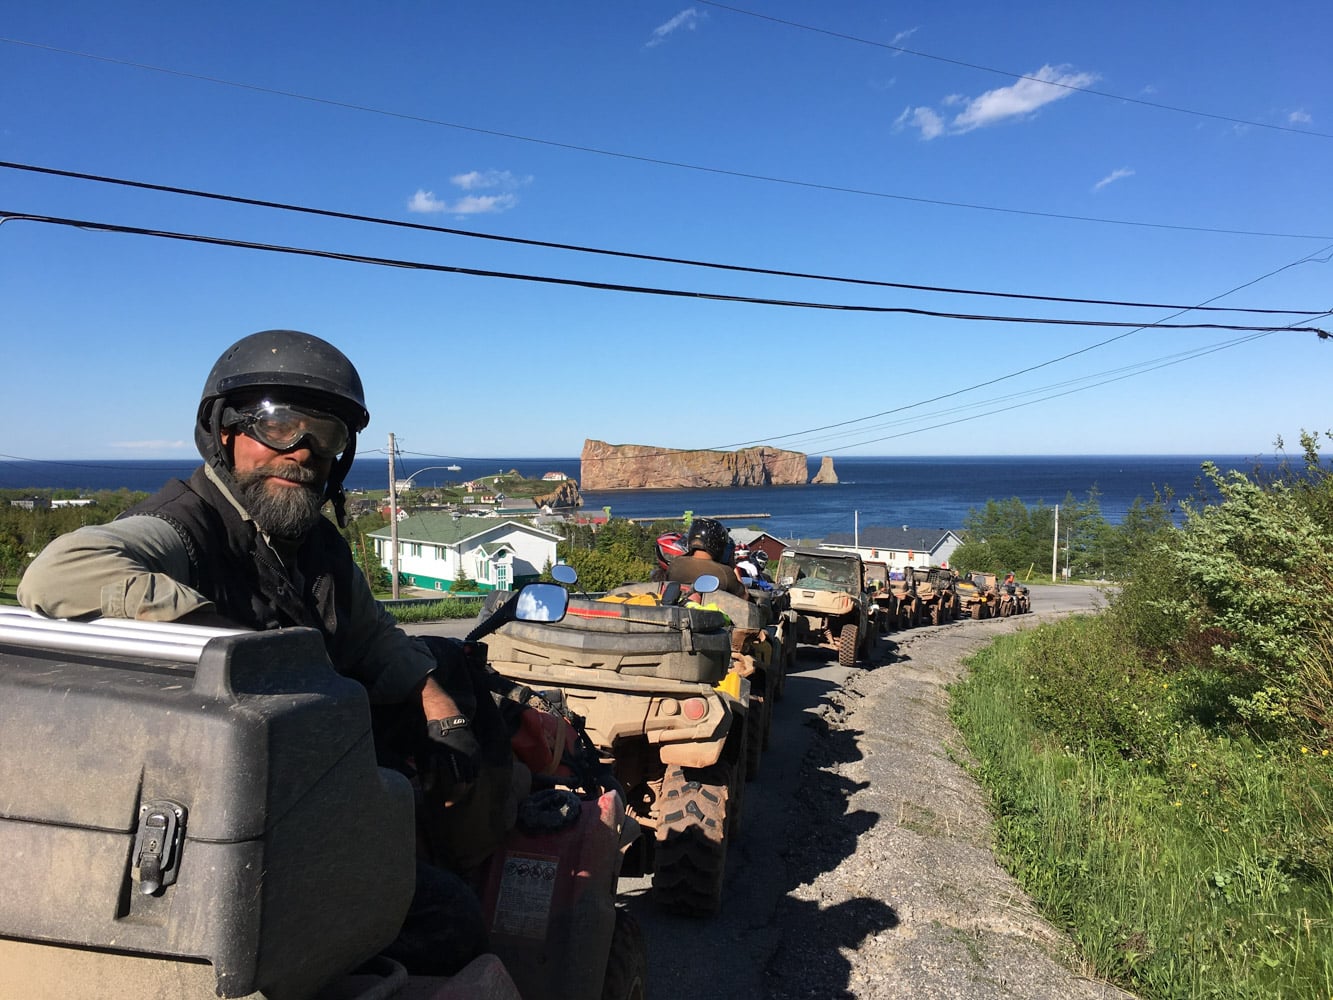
x,y
864,867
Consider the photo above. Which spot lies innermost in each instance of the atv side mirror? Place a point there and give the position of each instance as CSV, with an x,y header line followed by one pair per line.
x,y
706,584
536,602
542,602
564,573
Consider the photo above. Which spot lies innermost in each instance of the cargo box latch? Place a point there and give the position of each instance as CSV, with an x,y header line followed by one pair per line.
x,y
157,844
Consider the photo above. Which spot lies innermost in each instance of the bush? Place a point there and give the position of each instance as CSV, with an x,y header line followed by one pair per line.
x,y
1256,569
601,571
1068,663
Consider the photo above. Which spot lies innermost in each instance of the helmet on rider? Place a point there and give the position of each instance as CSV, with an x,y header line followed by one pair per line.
x,y
284,387
760,558
709,535
669,546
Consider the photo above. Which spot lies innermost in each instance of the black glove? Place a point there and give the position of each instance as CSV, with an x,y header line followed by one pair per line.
x,y
457,751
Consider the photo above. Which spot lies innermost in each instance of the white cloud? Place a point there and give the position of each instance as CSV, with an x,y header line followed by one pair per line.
x,y
1019,100
425,202
1022,98
900,38
1112,177
1299,117
925,119
481,204
477,179
688,19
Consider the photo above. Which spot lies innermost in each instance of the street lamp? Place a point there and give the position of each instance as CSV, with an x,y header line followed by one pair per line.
x,y
406,484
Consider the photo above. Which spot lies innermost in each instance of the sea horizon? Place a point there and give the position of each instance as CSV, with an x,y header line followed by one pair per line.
x,y
918,491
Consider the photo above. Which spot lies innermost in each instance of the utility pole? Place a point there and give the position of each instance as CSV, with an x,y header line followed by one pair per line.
x,y
393,522
1055,545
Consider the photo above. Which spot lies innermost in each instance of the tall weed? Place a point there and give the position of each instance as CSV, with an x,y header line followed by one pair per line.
x,y
1198,865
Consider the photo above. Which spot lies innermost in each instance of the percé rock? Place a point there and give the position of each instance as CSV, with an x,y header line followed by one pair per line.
x,y
825,473
633,466
564,495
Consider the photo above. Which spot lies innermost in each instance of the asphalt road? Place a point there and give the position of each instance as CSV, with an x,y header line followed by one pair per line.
x,y
850,877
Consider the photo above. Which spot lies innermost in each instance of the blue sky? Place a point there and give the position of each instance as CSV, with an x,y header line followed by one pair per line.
x,y
1136,152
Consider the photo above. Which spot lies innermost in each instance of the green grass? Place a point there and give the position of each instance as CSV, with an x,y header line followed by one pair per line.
x,y
451,608
1186,860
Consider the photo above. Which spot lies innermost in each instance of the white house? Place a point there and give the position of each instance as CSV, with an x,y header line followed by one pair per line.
x,y
497,554
898,547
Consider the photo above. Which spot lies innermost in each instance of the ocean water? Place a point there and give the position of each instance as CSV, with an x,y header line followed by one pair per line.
x,y
919,492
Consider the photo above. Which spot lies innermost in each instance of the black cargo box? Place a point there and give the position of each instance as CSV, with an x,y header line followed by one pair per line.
x,y
633,640
294,855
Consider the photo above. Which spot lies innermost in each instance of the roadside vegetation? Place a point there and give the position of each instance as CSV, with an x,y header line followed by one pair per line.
x,y
25,532
617,552
1008,535
1162,774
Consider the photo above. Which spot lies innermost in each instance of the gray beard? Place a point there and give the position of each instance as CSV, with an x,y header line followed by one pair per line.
x,y
283,513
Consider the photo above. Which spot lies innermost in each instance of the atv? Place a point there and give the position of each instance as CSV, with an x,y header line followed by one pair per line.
x,y
204,814
826,590
647,672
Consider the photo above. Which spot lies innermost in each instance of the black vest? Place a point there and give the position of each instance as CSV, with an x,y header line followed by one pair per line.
x,y
233,566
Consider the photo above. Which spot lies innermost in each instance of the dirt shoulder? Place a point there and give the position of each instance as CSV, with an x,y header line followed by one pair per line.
x,y
912,899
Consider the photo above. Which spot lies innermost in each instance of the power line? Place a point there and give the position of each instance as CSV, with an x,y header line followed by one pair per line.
x,y
546,244
658,161
1043,399
1069,386
615,287
1309,258
1157,105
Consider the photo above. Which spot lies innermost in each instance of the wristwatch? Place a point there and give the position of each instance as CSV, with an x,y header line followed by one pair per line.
x,y
440,727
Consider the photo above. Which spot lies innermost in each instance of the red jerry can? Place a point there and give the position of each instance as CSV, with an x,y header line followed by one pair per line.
x,y
548,894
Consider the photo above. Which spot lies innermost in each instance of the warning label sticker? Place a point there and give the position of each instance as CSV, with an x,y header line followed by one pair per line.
x,y
527,883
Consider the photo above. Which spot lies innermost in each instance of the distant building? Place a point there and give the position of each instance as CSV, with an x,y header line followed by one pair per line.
x,y
81,502
433,546
554,477
898,547
758,541
32,503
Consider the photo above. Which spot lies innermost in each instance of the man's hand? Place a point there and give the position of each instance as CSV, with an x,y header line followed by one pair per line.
x,y
458,752
456,749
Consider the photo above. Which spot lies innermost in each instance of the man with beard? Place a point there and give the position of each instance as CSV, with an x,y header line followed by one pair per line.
x,y
244,543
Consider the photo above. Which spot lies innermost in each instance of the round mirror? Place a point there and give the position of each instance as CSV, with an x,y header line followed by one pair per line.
x,y
542,602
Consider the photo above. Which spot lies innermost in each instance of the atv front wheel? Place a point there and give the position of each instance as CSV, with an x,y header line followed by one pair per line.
x,y
847,645
627,962
691,855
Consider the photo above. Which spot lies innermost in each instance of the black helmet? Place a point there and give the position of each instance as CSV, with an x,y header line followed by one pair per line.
x,y
709,535
301,368
759,557
301,364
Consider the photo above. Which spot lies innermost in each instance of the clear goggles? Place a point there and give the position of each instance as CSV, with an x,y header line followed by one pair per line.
x,y
282,427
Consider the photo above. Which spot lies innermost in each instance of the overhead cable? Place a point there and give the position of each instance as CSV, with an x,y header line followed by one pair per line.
x,y
615,287
1121,98
629,255
1317,257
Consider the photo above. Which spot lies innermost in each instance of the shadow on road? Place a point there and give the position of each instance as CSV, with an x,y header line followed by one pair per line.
x,y
807,960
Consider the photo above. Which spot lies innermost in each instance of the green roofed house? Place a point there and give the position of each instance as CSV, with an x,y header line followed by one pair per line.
x,y
496,554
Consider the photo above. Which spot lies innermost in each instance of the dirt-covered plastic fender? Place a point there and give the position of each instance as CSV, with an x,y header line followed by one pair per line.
x,y
734,697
